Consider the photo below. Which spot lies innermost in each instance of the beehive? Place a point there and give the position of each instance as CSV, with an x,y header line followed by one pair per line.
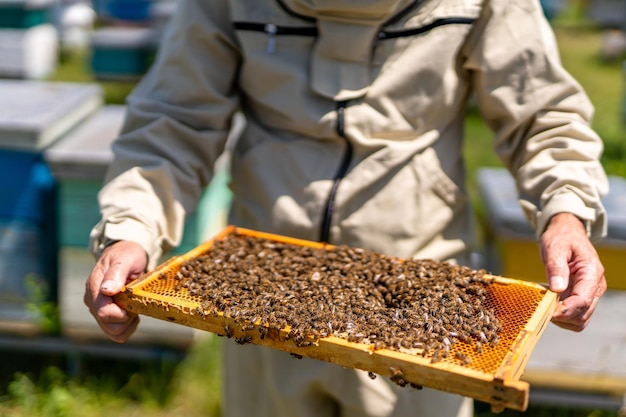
x,y
491,375
511,236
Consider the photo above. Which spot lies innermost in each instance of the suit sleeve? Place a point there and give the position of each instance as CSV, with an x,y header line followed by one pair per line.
x,y
540,115
177,123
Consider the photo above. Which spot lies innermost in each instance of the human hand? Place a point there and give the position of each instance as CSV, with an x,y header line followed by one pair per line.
x,y
574,271
119,263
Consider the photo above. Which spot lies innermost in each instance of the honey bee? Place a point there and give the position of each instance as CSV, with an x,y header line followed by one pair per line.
x,y
397,376
494,341
228,331
466,360
243,339
247,326
376,300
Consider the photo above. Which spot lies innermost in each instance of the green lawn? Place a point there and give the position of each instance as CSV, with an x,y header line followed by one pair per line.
x,y
43,386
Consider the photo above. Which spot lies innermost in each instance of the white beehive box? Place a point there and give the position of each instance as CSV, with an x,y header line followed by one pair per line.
x,y
33,114
28,53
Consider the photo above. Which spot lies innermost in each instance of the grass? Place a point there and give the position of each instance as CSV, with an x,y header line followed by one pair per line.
x,y
43,385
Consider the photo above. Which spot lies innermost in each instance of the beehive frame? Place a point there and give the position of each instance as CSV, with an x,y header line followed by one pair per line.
x,y
523,308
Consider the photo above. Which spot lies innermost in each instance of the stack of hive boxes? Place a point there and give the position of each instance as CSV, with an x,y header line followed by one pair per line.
x,y
78,162
28,39
606,13
33,115
512,242
54,149
124,45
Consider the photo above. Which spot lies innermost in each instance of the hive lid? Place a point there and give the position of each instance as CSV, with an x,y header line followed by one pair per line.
x,y
33,114
27,4
522,308
506,217
85,152
119,37
614,203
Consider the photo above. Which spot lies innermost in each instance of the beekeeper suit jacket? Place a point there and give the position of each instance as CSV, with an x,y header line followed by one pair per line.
x,y
355,115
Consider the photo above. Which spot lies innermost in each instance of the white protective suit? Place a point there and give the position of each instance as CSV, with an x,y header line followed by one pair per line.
x,y
355,113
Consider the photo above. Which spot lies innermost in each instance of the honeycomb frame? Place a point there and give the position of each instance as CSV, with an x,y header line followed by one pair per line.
x,y
493,376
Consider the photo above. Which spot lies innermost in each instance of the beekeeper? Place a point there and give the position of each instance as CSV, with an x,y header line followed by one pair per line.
x,y
354,135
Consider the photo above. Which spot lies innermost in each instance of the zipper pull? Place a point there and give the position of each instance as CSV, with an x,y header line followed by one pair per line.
x,y
271,30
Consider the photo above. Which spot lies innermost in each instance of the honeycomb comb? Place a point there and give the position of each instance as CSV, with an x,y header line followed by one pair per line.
x,y
491,375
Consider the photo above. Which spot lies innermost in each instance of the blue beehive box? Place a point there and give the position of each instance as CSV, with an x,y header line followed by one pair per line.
x,y
122,52
606,13
24,14
78,162
28,242
128,10
32,116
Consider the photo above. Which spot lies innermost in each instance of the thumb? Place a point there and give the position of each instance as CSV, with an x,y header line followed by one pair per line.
x,y
114,280
124,261
558,275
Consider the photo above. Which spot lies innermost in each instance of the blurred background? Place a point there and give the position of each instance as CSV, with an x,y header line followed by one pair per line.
x,y
66,67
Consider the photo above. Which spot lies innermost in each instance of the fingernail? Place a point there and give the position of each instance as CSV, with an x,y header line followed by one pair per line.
x,y
106,286
558,283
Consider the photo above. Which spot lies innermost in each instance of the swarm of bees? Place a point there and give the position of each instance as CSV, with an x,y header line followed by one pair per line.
x,y
359,295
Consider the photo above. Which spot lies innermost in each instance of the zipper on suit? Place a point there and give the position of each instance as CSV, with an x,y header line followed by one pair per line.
x,y
329,207
393,34
272,30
